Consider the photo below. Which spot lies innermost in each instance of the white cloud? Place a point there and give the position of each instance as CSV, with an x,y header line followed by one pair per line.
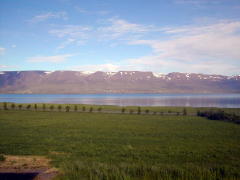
x,y
208,48
3,66
158,64
98,67
113,28
116,28
223,27
220,41
103,12
66,43
2,50
51,59
6,66
88,12
204,48
81,10
49,15
72,34
13,46
69,42
71,31
109,29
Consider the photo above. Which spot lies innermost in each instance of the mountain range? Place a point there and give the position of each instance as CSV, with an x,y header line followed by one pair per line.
x,y
83,82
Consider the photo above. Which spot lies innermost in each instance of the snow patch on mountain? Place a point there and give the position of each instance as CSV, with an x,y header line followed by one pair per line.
x,y
48,72
237,77
159,75
187,76
111,73
87,72
126,73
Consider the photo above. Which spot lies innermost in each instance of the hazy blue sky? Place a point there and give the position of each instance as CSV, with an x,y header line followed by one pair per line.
x,y
110,35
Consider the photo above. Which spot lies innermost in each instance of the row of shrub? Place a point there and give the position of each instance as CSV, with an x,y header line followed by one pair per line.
x,y
44,107
220,115
84,109
147,111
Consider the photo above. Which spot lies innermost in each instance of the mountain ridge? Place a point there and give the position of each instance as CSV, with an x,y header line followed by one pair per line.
x,y
84,82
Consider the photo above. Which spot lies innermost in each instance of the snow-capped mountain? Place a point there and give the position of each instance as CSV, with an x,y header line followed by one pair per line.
x,y
115,82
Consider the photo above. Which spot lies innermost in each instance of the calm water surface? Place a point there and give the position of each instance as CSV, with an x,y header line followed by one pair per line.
x,y
194,100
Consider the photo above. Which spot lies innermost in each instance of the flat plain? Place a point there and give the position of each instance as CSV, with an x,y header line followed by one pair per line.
x,y
98,145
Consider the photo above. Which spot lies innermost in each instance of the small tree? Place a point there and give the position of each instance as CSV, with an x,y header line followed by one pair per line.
x,y
44,107
131,111
91,109
184,111
2,158
123,110
198,113
28,106
83,108
99,109
139,110
13,106
154,113
59,107
5,106
19,106
75,108
147,111
67,108
52,107
35,107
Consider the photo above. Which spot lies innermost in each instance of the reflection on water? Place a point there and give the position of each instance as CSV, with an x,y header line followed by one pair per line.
x,y
199,100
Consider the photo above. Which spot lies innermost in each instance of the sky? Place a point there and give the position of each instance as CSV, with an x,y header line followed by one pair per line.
x,y
191,36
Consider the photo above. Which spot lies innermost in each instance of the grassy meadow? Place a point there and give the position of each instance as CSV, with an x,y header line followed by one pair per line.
x,y
124,146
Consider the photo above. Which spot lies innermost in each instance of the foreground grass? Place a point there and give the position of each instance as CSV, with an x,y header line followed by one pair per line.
x,y
124,146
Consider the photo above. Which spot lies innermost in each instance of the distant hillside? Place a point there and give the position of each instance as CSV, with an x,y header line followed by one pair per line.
x,y
115,82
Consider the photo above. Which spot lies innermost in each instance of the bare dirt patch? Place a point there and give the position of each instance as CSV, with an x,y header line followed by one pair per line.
x,y
38,165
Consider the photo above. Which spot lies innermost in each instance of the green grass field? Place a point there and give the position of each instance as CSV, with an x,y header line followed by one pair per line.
x,y
125,146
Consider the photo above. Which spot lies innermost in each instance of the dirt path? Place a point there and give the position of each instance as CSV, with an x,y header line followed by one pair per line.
x,y
38,165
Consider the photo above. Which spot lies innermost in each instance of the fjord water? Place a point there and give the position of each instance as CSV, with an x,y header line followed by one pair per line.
x,y
193,100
